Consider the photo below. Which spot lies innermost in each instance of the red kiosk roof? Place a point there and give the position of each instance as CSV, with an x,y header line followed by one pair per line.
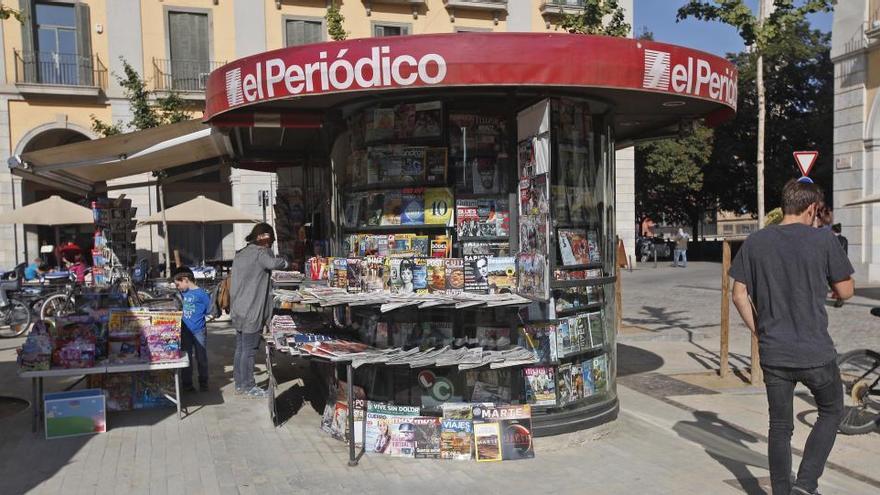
x,y
650,84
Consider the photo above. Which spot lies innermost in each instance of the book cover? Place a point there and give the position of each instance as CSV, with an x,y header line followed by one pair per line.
x,y
589,383
487,440
427,437
540,340
502,274
413,207
482,218
413,164
439,206
597,329
456,439
595,251
476,274
437,275
577,381
563,383
392,208
540,385
436,165
455,277
573,246
421,246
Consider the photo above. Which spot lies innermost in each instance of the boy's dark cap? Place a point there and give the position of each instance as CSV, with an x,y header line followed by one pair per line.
x,y
183,272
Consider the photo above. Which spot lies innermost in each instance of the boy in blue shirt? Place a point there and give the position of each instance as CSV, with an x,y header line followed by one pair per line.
x,y
193,334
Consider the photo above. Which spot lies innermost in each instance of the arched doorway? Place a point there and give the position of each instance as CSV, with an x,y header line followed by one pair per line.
x,y
43,137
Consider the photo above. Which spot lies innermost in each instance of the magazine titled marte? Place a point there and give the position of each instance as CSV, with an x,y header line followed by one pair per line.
x,y
514,427
487,440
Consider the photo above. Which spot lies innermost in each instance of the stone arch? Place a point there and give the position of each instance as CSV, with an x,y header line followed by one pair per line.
x,y
53,134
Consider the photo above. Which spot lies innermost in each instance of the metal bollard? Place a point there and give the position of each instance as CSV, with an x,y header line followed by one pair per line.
x,y
630,263
655,257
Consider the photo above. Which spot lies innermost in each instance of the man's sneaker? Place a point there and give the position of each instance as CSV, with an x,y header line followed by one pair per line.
x,y
796,490
256,393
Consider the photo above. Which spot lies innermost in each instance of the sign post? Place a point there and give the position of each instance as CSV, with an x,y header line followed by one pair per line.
x,y
805,161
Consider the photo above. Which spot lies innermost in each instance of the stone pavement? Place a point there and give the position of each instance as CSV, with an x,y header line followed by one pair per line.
x,y
680,430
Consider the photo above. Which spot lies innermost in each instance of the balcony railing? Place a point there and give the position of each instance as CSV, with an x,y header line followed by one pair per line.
x,y
553,7
182,75
59,69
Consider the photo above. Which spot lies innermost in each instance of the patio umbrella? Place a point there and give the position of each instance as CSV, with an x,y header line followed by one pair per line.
x,y
54,212
203,211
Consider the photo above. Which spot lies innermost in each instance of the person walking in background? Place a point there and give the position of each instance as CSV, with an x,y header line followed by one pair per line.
x,y
844,243
681,247
781,275
251,303
194,334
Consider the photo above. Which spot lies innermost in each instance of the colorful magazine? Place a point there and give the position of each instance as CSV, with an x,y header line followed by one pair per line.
x,y
533,276
589,382
476,274
412,207
390,429
455,276
597,329
540,339
577,381
595,251
413,165
540,384
392,208
600,373
437,275
487,440
515,428
573,246
502,274
421,246
482,218
456,439
563,383
427,437
439,206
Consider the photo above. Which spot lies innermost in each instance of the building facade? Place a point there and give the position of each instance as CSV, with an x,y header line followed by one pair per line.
x,y
60,66
855,52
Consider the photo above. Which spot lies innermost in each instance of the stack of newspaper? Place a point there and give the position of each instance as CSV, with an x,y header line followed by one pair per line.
x,y
388,301
283,277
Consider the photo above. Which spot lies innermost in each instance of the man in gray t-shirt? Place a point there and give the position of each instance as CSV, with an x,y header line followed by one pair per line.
x,y
782,274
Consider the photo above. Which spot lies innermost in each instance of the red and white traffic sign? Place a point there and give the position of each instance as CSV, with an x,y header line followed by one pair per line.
x,y
805,160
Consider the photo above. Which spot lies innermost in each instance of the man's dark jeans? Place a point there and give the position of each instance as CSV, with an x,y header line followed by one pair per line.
x,y
246,346
825,385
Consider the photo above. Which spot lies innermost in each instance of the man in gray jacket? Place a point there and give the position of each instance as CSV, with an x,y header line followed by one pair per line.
x,y
251,304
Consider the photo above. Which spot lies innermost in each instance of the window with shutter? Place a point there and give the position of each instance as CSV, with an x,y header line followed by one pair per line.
x,y
56,48
188,39
303,31
380,30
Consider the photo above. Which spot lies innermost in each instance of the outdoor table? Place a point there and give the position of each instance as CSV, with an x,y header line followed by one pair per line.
x,y
37,380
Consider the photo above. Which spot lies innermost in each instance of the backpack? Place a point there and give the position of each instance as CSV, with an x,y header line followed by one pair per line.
x,y
214,310
223,289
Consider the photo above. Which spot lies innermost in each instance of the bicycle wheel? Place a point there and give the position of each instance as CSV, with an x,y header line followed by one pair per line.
x,y
57,305
860,373
16,320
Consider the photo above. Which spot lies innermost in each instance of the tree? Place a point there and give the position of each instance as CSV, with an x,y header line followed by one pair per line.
x,y
669,174
772,23
334,23
591,20
800,98
147,110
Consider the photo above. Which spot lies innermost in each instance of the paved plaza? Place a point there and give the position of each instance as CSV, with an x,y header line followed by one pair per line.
x,y
681,430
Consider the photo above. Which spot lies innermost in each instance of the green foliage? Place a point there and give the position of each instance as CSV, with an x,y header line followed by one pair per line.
x,y
335,19
147,109
773,217
7,12
670,176
591,20
798,76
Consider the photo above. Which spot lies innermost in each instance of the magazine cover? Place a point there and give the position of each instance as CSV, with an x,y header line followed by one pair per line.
x,y
373,273
526,157
390,429
564,345
456,439
428,119
437,275
563,382
533,275
486,176
573,246
540,384
482,218
489,385
413,164
435,165
351,213
502,274
375,209
439,206
379,124
597,329
413,207
487,440
589,383
493,338
600,373
540,339
441,246
466,218
353,266
486,248
427,437
476,274
421,246
420,275
533,232
339,275
437,333
391,208
533,195
585,340
577,381
595,252
455,277
515,424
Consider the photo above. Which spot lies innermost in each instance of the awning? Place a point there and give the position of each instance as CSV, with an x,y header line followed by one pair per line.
x,y
82,166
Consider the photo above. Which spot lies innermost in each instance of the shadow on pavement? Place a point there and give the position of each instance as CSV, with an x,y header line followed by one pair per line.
x,y
632,360
728,445
668,320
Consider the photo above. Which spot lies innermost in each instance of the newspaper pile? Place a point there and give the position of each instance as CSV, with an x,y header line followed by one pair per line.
x,y
388,301
280,277
303,327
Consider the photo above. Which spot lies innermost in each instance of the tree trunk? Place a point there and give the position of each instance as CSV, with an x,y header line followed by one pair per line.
x,y
762,108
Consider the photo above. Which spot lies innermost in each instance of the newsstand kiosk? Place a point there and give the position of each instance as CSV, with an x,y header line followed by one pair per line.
x,y
473,173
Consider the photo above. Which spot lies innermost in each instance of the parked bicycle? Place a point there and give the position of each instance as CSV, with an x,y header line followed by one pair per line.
x,y
860,373
15,317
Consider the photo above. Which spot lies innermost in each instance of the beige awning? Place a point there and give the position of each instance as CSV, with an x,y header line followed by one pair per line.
x,y
200,210
52,211
865,201
81,166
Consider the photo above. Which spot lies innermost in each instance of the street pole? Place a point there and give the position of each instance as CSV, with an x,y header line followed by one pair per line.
x,y
762,104
264,202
